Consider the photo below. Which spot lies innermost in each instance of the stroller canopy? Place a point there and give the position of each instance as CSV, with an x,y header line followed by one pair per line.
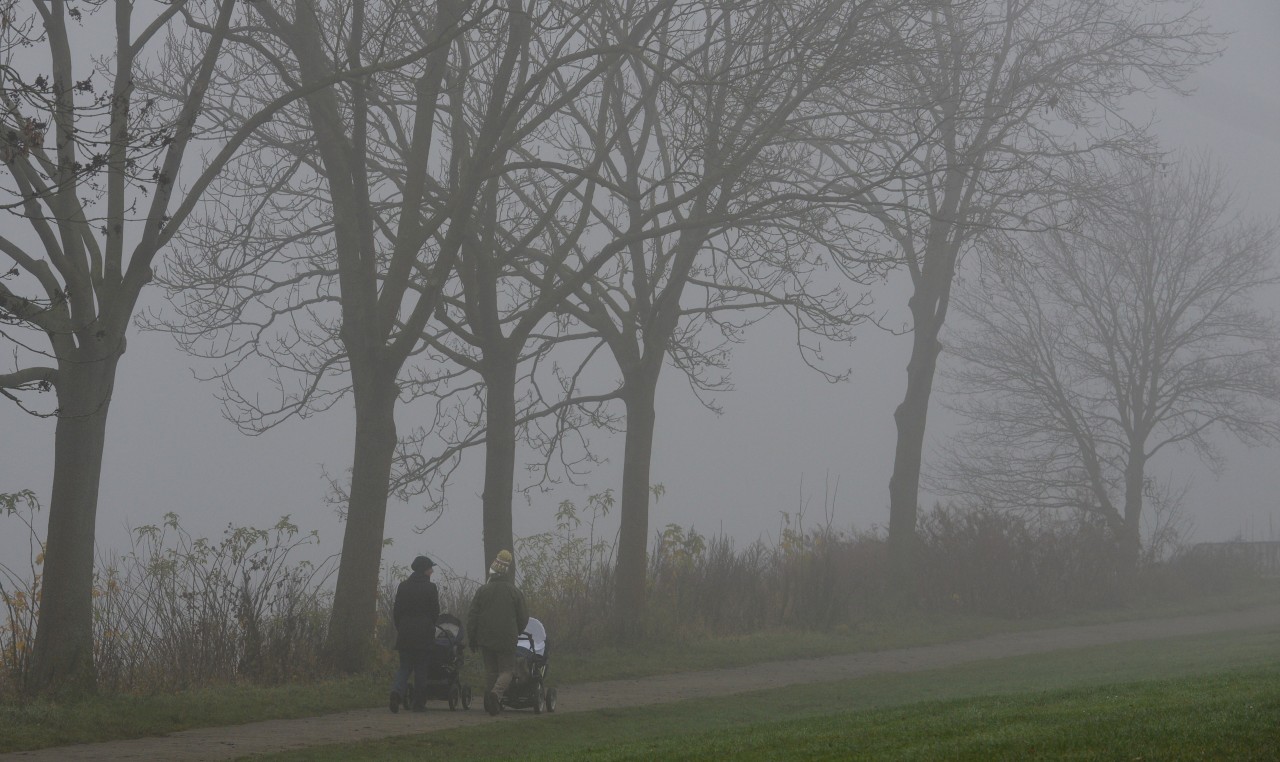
x,y
449,629
539,635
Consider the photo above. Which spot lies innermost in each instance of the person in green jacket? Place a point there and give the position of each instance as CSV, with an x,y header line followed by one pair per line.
x,y
497,616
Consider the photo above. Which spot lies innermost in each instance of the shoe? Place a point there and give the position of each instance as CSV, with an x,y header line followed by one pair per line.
x,y
395,702
492,704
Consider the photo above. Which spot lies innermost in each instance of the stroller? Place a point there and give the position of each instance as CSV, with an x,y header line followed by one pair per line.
x,y
528,688
444,668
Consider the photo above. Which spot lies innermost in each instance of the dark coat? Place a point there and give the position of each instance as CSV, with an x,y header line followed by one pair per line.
x,y
498,615
416,609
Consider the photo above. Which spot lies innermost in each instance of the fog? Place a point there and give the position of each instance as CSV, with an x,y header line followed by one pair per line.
x,y
787,440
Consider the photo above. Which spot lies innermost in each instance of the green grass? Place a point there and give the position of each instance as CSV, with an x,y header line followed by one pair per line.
x,y
40,724
1208,697
902,631
37,724
1220,717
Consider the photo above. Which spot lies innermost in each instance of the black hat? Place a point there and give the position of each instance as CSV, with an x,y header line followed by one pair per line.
x,y
421,563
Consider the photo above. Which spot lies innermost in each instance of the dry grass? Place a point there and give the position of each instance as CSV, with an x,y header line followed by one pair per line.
x,y
177,612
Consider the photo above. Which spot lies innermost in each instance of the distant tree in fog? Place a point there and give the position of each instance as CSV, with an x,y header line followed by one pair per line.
x,y
1001,98
1088,353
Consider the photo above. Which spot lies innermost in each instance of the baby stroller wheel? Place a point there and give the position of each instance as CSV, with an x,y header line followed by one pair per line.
x,y
455,695
551,699
539,697
466,697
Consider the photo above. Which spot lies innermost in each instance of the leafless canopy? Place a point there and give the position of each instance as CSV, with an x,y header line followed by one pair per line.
x,y
1094,350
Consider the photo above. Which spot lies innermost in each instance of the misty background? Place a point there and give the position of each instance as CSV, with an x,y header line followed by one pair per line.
x,y
787,440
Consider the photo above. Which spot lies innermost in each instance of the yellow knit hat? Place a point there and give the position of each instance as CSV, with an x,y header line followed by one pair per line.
x,y
501,563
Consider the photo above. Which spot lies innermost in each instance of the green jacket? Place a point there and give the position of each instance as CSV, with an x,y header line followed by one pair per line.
x,y
498,615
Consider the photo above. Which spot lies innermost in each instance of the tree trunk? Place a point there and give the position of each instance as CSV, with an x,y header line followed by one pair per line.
x,y
633,534
62,660
1130,540
910,418
351,625
500,454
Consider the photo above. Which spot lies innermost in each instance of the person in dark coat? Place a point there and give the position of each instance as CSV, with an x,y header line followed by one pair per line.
x,y
497,616
416,609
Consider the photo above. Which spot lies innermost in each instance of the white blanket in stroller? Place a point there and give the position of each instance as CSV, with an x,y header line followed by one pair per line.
x,y
539,635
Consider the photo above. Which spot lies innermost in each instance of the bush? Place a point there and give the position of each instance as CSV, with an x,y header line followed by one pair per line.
x,y
20,596
992,562
176,612
566,573
1204,569
698,586
826,577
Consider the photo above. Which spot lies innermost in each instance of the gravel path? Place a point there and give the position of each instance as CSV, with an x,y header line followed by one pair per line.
x,y
362,724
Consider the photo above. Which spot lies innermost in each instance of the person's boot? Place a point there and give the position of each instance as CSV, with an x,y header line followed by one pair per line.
x,y
395,701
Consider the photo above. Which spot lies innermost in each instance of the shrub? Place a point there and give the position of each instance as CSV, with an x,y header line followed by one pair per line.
x,y
827,577
20,596
699,586
176,611
1203,569
993,562
566,573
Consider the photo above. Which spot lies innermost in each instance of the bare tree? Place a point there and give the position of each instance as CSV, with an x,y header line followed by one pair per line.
x,y
713,186
305,254
1001,98
1092,352
501,312
329,250
93,173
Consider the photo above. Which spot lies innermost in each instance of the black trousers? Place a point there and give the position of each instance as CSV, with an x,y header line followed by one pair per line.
x,y
412,662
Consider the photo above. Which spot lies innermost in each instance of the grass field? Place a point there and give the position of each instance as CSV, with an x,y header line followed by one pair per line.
x,y
1193,698
30,725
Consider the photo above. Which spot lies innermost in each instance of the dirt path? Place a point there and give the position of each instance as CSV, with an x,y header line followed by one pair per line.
x,y
363,724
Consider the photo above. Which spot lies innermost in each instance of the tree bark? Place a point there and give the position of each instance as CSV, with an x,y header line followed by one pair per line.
x,y
352,621
910,418
62,660
633,532
500,453
1130,540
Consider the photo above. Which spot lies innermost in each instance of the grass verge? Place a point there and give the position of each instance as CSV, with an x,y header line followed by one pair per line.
x,y
37,724
41,724
1208,697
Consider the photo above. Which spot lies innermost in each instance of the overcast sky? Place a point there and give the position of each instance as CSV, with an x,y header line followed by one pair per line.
x,y
783,426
